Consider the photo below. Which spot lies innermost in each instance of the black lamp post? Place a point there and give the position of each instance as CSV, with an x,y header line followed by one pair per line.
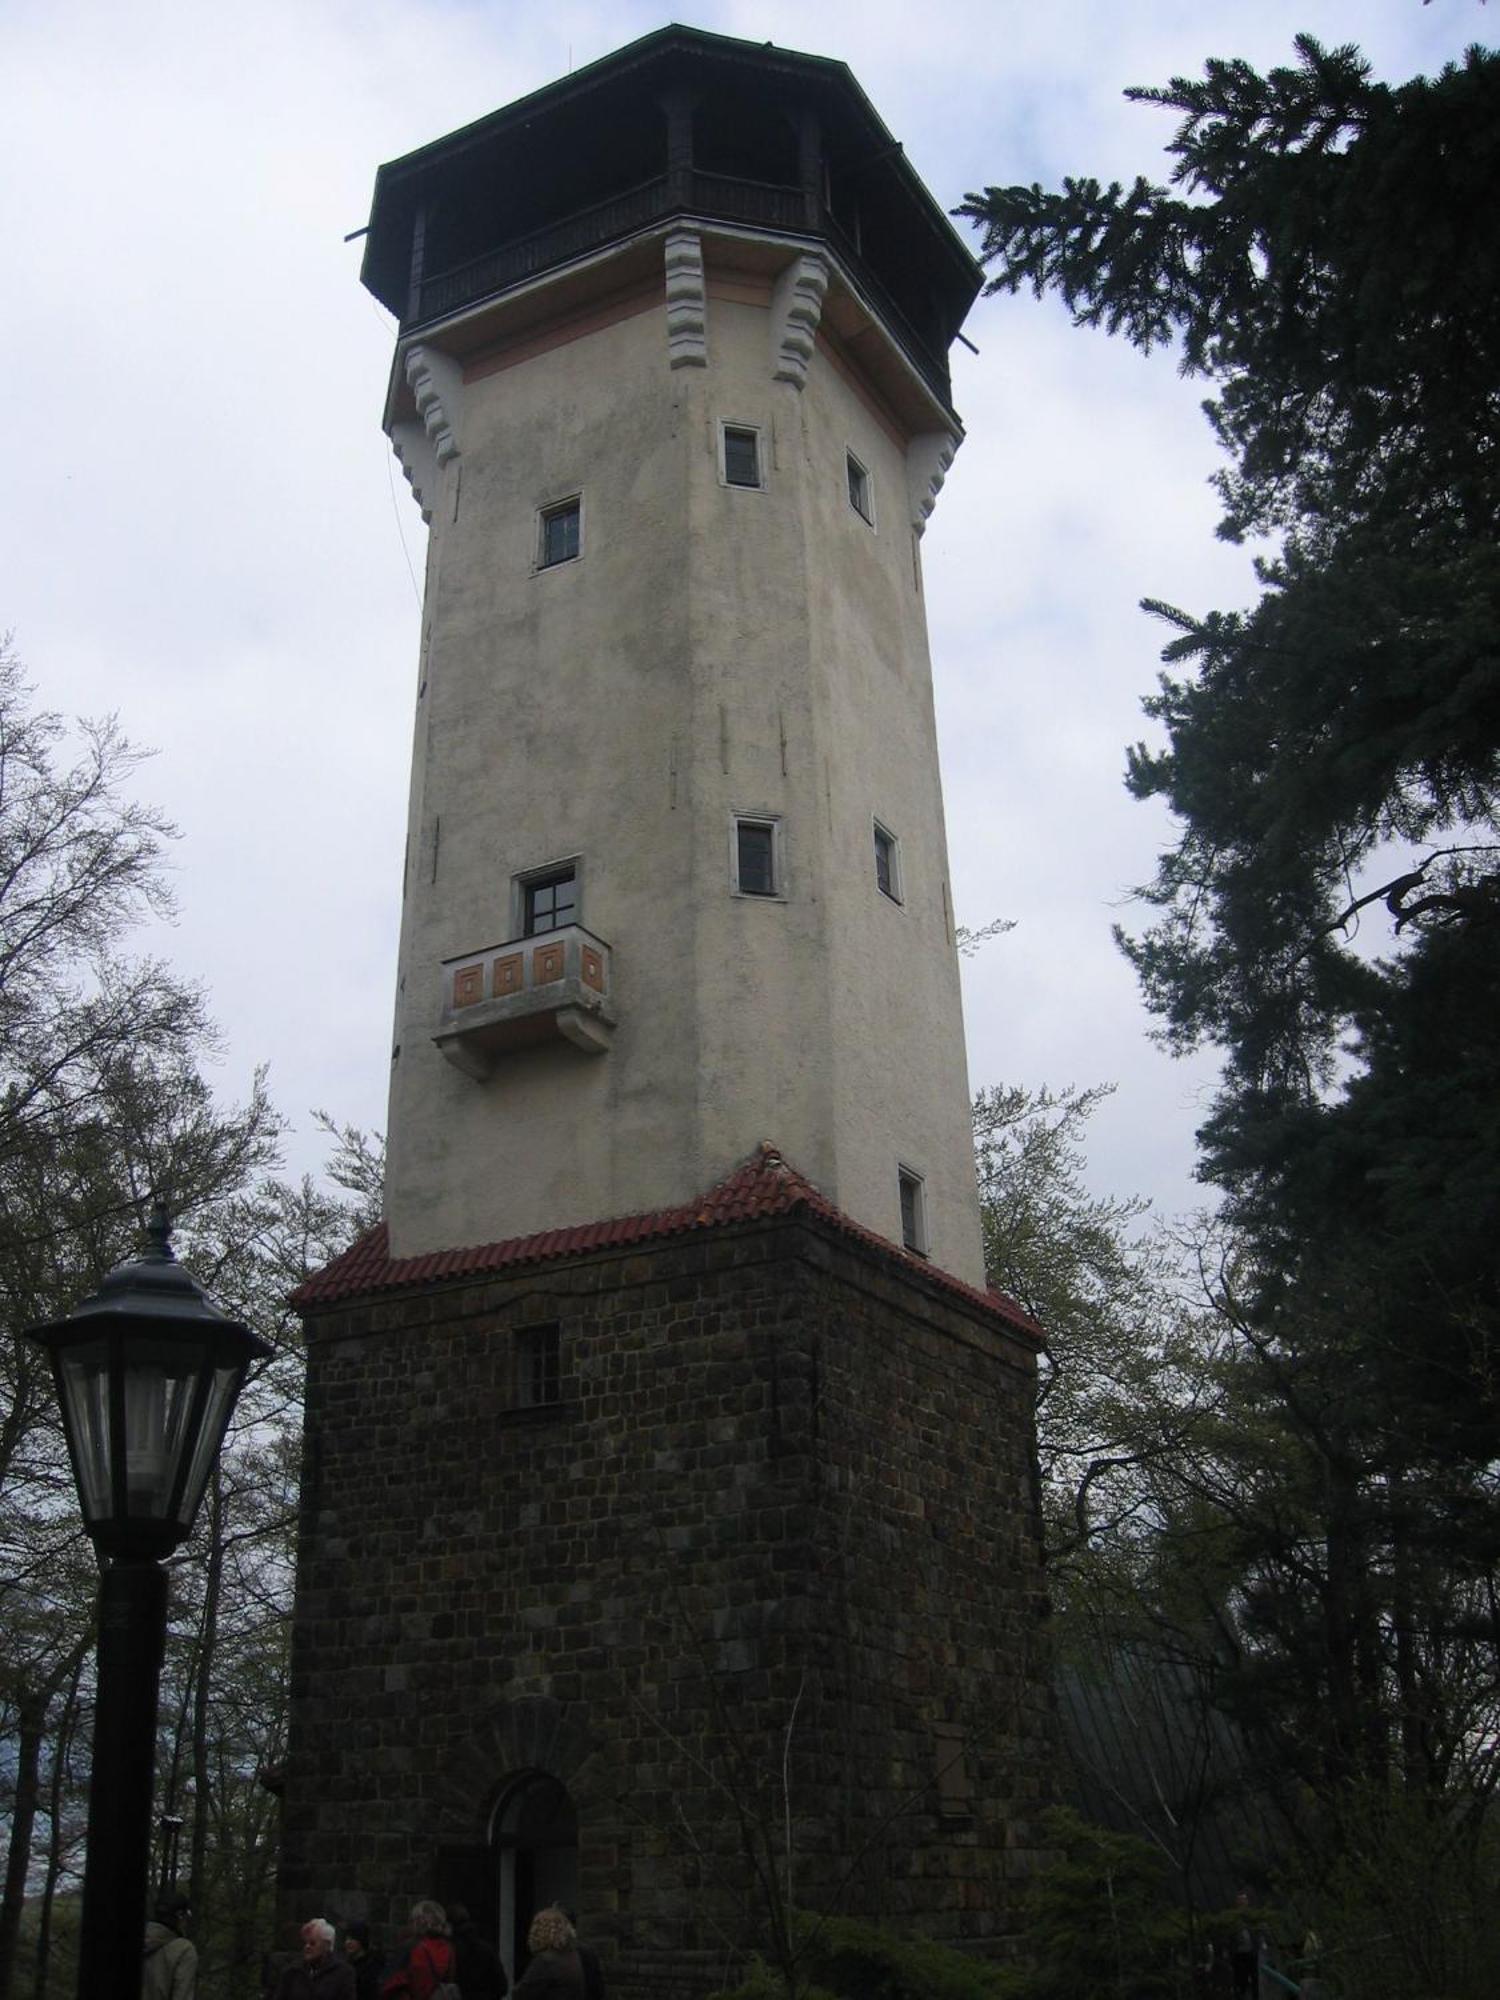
x,y
170,1825
148,1372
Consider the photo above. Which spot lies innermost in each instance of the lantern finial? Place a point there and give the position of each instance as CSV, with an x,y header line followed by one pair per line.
x,y
159,1231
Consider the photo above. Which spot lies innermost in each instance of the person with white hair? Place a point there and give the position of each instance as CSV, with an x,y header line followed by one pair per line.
x,y
322,1973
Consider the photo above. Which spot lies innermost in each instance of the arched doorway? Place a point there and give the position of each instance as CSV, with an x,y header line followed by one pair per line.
x,y
534,1843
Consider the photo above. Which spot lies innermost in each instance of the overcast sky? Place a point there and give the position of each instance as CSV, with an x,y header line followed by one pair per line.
x,y
205,533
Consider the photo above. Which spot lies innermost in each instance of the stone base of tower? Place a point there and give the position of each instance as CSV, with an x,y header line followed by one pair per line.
x,y
621,1554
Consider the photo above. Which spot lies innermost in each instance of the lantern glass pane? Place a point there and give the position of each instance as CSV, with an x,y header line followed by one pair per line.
x,y
84,1373
160,1380
223,1387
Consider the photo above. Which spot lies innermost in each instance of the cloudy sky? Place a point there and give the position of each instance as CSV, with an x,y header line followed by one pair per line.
x,y
203,530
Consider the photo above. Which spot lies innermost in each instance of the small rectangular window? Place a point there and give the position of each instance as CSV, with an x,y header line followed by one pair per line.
x,y
561,537
538,1366
755,857
955,1790
887,875
913,1211
859,489
549,902
741,455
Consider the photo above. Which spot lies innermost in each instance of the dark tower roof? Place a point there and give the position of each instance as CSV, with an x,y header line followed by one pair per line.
x,y
680,122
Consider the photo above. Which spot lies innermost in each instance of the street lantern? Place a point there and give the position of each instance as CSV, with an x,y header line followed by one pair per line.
x,y
148,1371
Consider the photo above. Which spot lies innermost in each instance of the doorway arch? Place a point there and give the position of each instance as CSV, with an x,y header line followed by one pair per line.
x,y
533,1837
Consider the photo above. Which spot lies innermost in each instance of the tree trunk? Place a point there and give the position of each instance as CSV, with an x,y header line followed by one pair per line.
x,y
1415,1759
31,1724
1343,1737
32,1709
66,1728
208,1632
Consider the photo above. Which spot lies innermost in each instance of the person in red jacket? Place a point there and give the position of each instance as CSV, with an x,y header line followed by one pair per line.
x,y
430,1961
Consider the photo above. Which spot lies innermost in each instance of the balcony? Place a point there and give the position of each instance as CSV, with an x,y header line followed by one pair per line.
x,y
709,197
521,994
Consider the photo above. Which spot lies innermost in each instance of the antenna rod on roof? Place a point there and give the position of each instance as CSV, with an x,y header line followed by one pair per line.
x,y
353,233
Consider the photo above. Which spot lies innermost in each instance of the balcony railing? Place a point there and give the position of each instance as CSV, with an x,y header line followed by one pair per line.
x,y
526,256
758,202
716,197
523,992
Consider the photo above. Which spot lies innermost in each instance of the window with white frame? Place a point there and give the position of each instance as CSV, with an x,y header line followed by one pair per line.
x,y
913,1210
739,455
538,1366
887,863
861,492
546,899
560,532
755,859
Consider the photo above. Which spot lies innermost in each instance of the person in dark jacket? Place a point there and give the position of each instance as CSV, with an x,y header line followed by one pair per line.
x,y
593,1971
322,1974
480,1974
556,1970
366,1964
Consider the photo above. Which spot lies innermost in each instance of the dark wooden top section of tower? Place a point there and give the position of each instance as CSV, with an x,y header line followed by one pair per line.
x,y
680,123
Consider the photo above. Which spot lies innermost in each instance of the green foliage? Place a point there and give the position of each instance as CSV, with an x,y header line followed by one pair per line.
x,y
1123,1341
840,1958
1403,1904
1101,1922
1063,1253
1326,256
763,1983
863,1961
1326,261
1322,1545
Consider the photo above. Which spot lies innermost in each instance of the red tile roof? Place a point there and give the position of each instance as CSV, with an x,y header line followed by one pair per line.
x,y
766,1185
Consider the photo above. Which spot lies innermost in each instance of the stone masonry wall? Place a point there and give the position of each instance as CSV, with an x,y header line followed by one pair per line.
x,y
926,1452
781,1515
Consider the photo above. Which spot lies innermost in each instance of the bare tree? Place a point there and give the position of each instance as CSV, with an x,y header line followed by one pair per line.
x,y
103,1105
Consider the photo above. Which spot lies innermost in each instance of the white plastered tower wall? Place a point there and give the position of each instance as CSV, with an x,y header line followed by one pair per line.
x,y
714,652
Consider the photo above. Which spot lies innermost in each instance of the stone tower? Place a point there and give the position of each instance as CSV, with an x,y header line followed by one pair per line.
x,y
672,390
667,1405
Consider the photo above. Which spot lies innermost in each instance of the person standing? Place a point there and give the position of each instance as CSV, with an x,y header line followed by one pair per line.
x,y
366,1965
321,1974
169,1961
1244,1950
593,1971
430,1961
480,1974
556,1970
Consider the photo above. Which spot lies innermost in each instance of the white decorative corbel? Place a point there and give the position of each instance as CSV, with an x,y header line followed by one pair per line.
x,y
928,458
687,300
424,446
437,384
418,460
796,308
